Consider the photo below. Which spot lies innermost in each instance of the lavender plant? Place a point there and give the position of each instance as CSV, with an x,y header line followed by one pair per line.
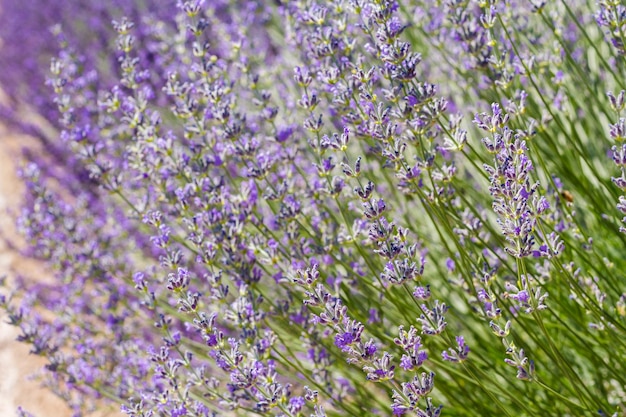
x,y
331,209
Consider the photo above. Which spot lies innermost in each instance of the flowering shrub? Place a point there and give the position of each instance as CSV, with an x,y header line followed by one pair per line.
x,y
362,207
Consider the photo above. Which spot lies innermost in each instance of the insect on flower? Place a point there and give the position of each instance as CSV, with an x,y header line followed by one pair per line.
x,y
567,196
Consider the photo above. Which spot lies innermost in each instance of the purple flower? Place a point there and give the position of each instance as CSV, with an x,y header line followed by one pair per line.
x,y
179,412
516,200
296,404
457,354
343,341
450,264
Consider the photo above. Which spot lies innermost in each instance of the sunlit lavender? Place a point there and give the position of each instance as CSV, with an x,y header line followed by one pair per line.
x,y
322,208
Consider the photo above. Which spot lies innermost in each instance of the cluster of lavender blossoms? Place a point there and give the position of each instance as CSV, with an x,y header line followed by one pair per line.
x,y
322,208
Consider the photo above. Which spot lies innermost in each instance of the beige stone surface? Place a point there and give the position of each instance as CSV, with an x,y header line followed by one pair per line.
x,y
16,364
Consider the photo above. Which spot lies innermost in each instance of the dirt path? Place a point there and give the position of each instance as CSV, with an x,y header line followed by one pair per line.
x,y
16,364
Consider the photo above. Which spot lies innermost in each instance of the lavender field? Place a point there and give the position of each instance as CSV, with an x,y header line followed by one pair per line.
x,y
313,208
